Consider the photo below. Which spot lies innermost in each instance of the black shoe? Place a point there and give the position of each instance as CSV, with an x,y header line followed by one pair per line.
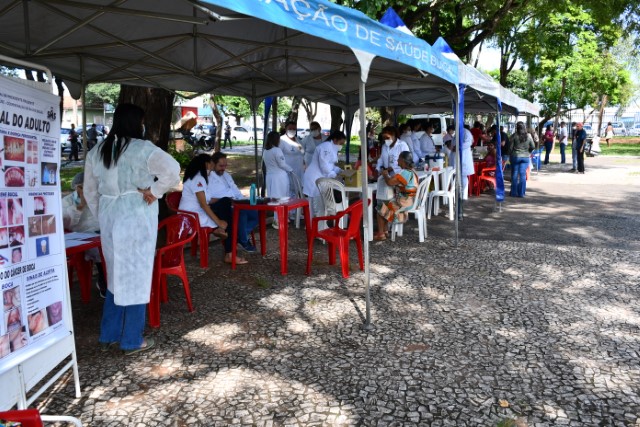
x,y
572,170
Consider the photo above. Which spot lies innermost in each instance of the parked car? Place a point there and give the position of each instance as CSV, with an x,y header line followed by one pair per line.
x,y
99,128
240,133
589,129
65,144
302,132
634,130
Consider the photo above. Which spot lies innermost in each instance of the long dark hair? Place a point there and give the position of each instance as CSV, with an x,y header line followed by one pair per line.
x,y
273,140
521,131
197,165
127,124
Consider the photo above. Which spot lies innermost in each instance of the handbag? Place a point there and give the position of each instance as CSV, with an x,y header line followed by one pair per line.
x,y
384,192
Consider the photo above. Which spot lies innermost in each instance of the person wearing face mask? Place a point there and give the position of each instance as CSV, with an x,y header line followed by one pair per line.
x,y
77,217
405,135
416,134
391,151
323,165
124,177
277,178
292,150
311,142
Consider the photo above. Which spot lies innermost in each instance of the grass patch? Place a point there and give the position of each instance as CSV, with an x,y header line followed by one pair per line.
x,y
263,283
620,149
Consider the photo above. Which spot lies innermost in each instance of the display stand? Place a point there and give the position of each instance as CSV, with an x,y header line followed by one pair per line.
x,y
36,328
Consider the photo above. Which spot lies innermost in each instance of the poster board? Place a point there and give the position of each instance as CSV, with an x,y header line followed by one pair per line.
x,y
36,329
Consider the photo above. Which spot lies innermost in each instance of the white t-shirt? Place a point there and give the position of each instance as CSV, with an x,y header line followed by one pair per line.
x,y
189,200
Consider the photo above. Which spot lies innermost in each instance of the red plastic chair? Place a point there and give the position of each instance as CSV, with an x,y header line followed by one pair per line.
x,y
203,233
488,176
33,418
338,236
179,230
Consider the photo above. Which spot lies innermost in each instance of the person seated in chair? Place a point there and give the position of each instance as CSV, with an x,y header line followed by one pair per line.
x,y
76,217
196,198
221,185
490,157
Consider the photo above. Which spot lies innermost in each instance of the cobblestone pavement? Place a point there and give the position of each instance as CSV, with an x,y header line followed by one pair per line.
x,y
532,321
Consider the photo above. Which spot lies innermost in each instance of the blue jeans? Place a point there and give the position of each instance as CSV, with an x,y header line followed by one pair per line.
x,y
574,155
246,223
563,158
547,151
123,324
519,167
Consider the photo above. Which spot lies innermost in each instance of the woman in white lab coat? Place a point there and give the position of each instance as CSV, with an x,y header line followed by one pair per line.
x,y
292,150
323,165
277,178
124,177
311,142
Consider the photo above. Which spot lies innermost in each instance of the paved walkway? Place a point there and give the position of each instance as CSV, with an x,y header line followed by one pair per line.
x,y
533,319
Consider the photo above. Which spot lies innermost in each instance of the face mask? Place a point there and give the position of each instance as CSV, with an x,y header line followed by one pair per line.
x,y
76,198
291,133
315,133
337,147
419,133
388,142
408,133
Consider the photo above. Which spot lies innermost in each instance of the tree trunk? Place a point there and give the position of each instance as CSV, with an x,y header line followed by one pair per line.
x,y
336,118
311,108
386,116
293,114
158,107
603,104
218,119
562,91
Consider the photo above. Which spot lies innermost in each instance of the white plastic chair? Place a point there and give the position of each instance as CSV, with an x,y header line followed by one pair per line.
x,y
331,207
448,193
296,191
418,209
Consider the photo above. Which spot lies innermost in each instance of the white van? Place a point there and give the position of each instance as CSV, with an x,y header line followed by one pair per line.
x,y
440,123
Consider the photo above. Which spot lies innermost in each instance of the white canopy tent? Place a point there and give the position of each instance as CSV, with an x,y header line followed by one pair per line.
x,y
246,48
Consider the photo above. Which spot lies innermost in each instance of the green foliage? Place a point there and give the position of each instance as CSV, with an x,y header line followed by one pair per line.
x,y
183,157
7,71
66,176
98,94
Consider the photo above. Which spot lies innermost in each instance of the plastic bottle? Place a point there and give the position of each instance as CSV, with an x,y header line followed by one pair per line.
x,y
252,194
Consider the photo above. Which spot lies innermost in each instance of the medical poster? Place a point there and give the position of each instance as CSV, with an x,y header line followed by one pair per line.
x,y
32,252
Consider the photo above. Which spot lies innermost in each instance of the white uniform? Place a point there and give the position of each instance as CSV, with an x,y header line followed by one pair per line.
x,y
189,200
309,145
128,225
293,155
407,137
223,186
427,146
277,179
466,167
389,156
323,165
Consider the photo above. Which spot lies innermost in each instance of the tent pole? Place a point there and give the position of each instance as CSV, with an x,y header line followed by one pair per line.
x,y
459,100
83,97
255,130
365,200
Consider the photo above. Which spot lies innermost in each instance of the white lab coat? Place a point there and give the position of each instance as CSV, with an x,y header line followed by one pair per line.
x,y
309,145
389,156
466,167
407,137
128,225
277,168
293,155
427,146
189,200
323,165
223,186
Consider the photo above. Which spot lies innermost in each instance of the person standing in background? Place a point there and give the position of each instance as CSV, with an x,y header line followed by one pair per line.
x,y
580,139
563,137
521,147
92,136
227,136
73,140
293,152
124,178
311,141
277,180
548,143
608,133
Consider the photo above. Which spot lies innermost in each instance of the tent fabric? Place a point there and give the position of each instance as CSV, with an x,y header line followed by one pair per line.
x,y
246,48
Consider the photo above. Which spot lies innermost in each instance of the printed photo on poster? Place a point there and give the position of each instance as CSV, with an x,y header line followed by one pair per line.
x,y
54,313
16,255
13,149
17,338
5,256
5,345
31,176
16,236
37,322
32,152
4,238
42,246
3,213
48,173
48,224
15,211
13,319
11,298
14,176
35,226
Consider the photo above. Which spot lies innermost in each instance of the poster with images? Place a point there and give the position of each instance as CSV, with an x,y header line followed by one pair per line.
x,y
32,251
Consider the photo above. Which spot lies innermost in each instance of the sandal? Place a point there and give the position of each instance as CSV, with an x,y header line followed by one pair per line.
x,y
106,346
239,260
219,232
379,237
149,343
